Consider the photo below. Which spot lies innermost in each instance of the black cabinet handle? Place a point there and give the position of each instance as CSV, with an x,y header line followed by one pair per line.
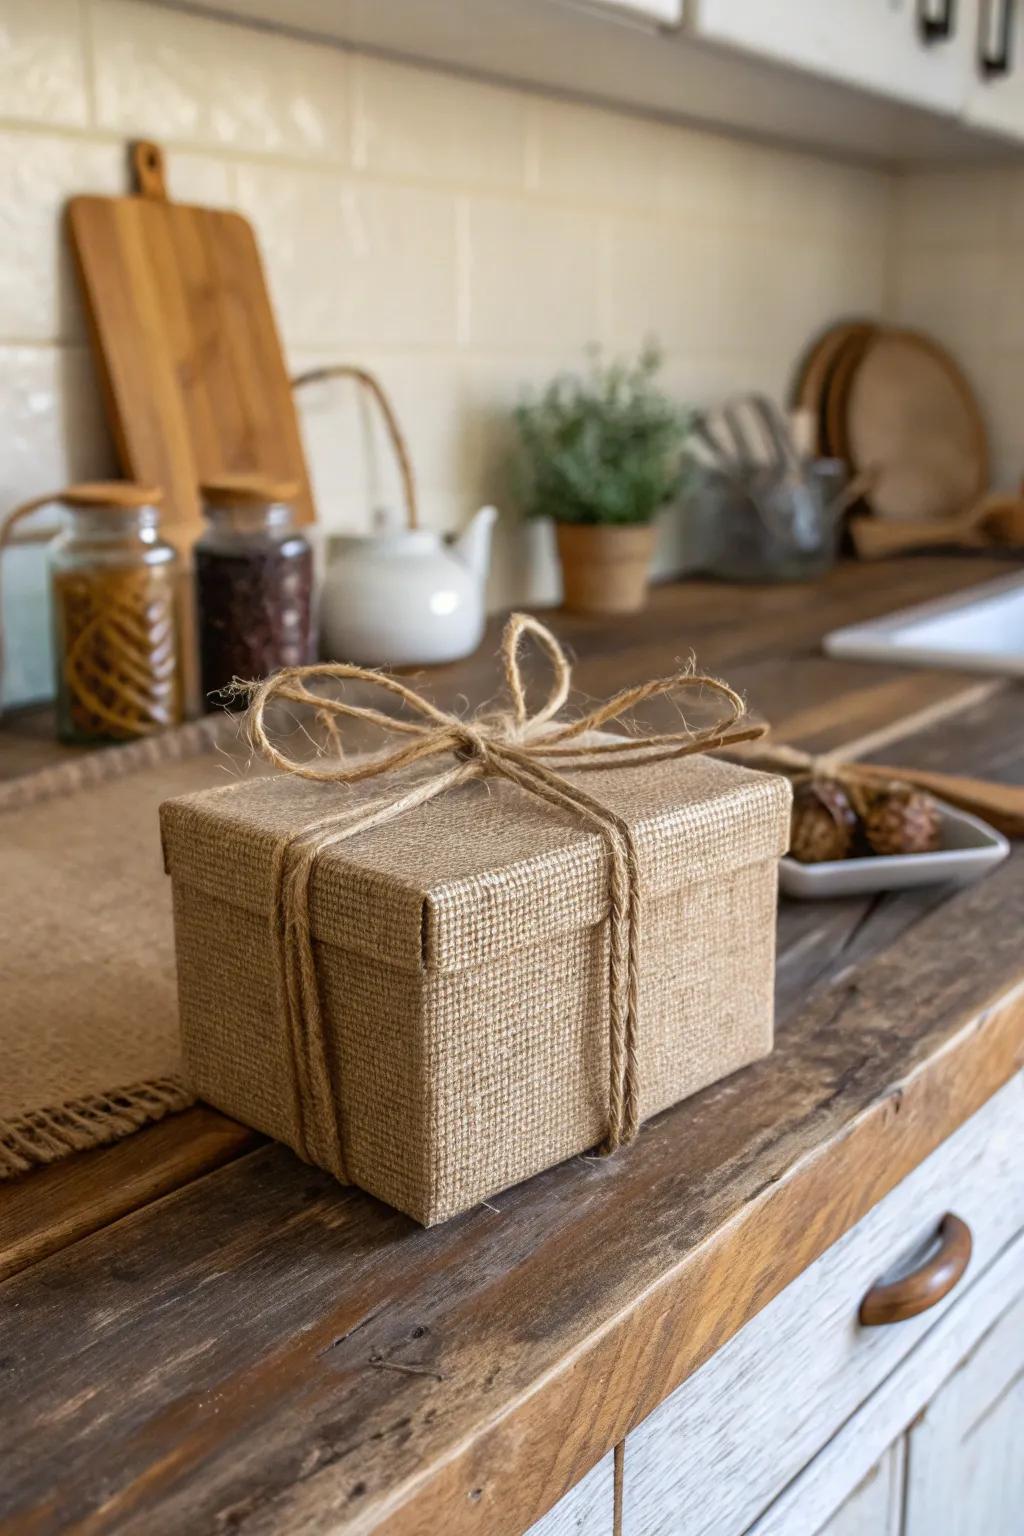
x,y
936,20
995,42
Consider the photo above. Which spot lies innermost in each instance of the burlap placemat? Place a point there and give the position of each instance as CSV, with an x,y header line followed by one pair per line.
x,y
88,1004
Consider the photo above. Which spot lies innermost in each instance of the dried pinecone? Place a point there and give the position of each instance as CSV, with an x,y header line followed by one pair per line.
x,y
902,820
824,822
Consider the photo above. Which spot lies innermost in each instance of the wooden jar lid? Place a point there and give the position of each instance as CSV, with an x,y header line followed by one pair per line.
x,y
247,491
122,494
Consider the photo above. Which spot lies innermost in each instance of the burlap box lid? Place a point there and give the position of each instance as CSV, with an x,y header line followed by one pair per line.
x,y
462,968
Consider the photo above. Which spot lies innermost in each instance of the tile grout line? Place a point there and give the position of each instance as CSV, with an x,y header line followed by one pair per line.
x,y
88,46
313,163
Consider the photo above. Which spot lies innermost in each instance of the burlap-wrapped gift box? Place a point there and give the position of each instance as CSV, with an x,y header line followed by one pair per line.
x,y
462,965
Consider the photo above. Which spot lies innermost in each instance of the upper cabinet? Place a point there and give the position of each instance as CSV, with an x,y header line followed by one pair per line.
x,y
918,51
961,59
995,95
666,13
904,82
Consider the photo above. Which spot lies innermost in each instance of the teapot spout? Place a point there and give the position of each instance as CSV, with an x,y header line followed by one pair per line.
x,y
473,545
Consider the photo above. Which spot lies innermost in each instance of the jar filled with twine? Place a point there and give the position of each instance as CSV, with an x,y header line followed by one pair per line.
x,y
115,618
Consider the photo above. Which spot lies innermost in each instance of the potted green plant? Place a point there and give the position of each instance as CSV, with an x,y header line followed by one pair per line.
x,y
603,452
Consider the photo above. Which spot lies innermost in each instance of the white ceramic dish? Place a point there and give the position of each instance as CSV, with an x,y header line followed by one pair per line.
x,y
970,848
980,630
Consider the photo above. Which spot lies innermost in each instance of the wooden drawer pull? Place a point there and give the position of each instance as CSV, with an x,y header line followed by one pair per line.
x,y
925,1286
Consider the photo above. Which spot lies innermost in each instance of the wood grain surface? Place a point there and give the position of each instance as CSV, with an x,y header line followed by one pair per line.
x,y
69,1199
263,1351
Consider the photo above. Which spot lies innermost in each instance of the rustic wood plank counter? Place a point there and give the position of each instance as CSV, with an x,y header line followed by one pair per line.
x,y
201,1334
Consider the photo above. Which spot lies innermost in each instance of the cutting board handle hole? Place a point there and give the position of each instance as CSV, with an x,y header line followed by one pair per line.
x,y
148,166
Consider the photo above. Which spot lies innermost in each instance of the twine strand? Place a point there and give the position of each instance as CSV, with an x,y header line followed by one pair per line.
x,y
860,781
528,750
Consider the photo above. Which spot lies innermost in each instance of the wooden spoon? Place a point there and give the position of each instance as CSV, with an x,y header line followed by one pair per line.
x,y
995,519
1001,805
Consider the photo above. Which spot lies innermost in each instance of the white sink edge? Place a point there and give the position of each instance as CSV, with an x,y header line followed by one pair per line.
x,y
885,639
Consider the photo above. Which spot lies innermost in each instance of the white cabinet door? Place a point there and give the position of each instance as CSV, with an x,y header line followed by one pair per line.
x,y
875,1508
877,44
965,1462
586,1510
995,97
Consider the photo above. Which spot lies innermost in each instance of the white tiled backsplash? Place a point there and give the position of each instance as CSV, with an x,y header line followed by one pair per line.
x,y
461,239
956,272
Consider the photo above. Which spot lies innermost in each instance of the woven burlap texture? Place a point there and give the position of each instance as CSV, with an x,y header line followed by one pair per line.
x,y
89,1040
462,958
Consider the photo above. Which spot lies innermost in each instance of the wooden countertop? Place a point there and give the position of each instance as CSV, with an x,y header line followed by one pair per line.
x,y
204,1335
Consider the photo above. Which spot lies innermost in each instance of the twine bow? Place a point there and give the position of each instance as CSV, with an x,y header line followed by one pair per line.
x,y
530,750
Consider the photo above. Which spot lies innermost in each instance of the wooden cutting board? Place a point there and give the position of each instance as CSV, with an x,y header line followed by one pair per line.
x,y
912,421
837,392
816,370
186,342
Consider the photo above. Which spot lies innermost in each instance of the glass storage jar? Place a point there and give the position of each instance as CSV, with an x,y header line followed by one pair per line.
x,y
254,586
768,526
115,616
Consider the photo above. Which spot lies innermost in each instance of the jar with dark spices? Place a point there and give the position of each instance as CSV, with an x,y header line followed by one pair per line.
x,y
115,616
254,586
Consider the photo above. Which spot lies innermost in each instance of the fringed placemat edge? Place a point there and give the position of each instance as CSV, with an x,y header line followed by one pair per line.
x,y
107,763
36,1137
42,1136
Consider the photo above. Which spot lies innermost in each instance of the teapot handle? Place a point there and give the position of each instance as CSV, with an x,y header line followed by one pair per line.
x,y
372,384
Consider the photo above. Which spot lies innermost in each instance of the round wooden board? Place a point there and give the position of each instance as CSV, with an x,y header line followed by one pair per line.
x,y
911,421
816,369
837,391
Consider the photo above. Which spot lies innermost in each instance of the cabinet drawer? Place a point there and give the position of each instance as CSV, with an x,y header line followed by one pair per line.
x,y
716,1453
982,1329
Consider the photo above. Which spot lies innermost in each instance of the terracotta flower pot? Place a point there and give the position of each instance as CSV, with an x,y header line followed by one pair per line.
x,y
605,565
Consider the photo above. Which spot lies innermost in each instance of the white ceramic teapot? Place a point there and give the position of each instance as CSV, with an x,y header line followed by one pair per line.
x,y
403,597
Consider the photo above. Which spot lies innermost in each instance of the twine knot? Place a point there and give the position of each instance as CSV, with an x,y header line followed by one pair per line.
x,y
532,750
472,743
